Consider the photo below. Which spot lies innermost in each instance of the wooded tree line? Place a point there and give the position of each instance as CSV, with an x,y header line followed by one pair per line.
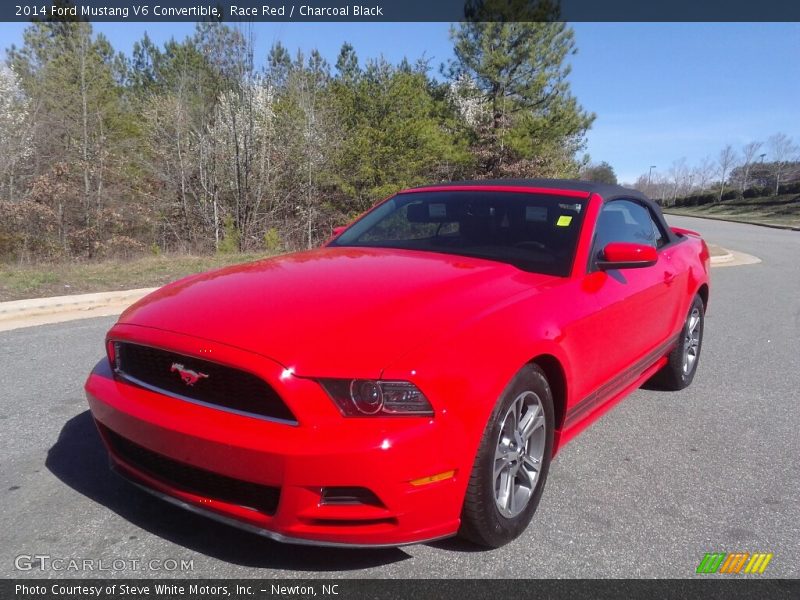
x,y
199,145
731,173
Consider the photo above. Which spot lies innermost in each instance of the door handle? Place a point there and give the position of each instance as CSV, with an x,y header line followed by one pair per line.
x,y
669,277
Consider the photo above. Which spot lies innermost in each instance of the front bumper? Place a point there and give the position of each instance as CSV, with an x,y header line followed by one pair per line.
x,y
324,450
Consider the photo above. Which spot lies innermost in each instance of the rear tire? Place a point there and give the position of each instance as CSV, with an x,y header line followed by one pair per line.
x,y
679,371
513,460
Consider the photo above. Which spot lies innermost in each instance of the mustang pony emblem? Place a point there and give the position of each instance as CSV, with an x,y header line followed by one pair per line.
x,y
188,376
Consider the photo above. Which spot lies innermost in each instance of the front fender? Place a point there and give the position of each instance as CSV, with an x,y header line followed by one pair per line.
x,y
464,374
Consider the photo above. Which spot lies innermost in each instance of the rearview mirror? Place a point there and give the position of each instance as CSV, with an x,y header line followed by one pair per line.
x,y
623,255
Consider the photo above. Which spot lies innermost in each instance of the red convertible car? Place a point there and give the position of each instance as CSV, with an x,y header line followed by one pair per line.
x,y
413,378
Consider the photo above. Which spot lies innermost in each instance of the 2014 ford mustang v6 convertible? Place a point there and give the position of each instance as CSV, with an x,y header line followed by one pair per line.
x,y
413,378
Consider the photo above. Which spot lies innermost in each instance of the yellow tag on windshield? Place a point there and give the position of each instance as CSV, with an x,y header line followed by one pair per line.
x,y
564,221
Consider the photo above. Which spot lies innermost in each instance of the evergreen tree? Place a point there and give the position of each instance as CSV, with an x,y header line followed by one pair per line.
x,y
600,173
531,124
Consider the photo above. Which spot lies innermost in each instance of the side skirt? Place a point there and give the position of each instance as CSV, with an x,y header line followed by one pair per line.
x,y
588,410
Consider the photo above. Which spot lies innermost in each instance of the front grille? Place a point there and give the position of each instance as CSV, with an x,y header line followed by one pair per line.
x,y
217,384
192,479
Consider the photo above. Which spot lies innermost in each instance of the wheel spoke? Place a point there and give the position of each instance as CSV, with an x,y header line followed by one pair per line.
x,y
531,424
501,452
694,319
517,503
529,472
519,403
531,463
509,424
523,492
509,487
505,489
501,461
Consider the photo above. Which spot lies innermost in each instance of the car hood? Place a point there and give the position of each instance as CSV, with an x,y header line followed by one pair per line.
x,y
334,311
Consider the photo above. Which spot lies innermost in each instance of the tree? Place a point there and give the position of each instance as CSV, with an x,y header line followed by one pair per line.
x,y
398,129
347,64
305,128
81,126
703,173
189,146
15,128
534,125
727,158
783,151
600,173
679,173
177,95
749,152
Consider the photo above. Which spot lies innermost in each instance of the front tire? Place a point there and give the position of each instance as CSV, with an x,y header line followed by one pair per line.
x,y
513,460
679,371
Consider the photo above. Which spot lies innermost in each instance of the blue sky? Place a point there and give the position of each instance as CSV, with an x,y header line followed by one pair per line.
x,y
661,91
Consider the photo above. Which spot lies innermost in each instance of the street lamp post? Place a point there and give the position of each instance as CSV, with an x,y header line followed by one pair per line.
x,y
747,172
761,156
649,173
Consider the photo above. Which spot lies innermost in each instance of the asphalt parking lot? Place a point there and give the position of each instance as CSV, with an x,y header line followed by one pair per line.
x,y
645,492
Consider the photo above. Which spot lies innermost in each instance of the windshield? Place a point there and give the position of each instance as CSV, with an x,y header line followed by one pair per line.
x,y
534,232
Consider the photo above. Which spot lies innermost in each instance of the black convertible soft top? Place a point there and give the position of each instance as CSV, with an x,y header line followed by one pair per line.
x,y
605,190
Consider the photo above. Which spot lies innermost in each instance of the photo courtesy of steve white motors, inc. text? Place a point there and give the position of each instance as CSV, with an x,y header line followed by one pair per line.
x,y
167,589
137,11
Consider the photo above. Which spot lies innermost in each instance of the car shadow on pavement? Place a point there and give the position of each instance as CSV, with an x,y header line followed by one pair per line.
x,y
79,459
456,544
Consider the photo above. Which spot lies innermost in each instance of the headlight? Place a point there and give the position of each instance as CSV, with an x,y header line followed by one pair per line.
x,y
365,397
112,350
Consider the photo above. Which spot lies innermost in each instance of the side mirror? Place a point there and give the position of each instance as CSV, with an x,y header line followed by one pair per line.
x,y
334,234
622,255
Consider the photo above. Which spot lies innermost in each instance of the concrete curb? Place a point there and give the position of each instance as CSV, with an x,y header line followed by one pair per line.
x,y
735,258
40,311
710,218
35,306
722,258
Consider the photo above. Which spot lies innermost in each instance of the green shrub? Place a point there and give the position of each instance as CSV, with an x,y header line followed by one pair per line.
x,y
272,241
229,244
790,188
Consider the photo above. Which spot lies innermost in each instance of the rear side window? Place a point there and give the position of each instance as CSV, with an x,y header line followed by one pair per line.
x,y
660,239
624,221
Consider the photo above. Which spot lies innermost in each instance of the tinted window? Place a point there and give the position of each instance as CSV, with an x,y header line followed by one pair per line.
x,y
533,232
624,221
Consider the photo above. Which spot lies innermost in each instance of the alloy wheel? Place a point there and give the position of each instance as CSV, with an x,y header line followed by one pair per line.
x,y
691,341
519,454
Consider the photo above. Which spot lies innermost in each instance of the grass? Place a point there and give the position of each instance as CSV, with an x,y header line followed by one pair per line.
x,y
41,280
771,210
37,281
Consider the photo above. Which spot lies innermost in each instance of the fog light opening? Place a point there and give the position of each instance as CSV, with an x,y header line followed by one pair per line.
x,y
349,495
